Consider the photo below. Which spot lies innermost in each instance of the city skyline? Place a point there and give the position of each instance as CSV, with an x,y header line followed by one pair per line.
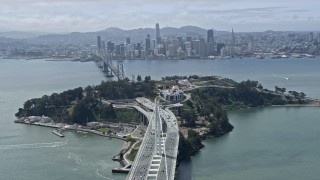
x,y
64,16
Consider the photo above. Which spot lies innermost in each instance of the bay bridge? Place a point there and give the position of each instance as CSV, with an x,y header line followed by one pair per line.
x,y
105,61
157,155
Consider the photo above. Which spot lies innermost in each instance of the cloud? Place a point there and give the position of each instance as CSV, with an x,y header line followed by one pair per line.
x,y
243,10
94,15
297,11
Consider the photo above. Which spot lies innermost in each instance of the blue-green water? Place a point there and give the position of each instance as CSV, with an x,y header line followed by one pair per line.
x,y
267,143
34,153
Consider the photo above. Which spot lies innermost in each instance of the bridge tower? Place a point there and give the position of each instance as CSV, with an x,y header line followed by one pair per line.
x,y
105,62
120,69
158,129
108,70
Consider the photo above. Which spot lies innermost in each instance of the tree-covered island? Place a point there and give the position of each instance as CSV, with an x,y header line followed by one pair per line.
x,y
203,113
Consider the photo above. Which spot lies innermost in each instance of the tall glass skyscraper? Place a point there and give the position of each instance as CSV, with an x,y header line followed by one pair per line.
x,y
210,36
99,42
210,43
158,38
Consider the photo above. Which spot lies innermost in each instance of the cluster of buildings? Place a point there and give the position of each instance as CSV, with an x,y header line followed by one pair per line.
x,y
36,51
210,46
168,47
173,94
204,44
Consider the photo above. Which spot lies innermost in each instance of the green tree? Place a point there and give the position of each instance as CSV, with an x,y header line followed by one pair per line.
x,y
147,78
139,78
302,95
189,117
81,113
108,113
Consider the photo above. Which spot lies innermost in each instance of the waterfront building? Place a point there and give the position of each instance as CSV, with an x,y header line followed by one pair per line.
x,y
118,49
202,48
188,48
122,49
210,43
99,42
161,49
103,45
180,41
210,36
188,39
310,37
225,51
128,40
148,43
110,46
232,46
153,44
174,94
196,47
143,54
158,37
171,50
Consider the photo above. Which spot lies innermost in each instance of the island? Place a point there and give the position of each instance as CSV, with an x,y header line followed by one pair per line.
x,y
200,104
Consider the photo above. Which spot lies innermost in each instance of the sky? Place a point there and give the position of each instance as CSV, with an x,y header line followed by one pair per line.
x,y
61,16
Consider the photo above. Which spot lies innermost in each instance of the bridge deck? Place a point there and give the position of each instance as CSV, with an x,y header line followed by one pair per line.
x,y
145,166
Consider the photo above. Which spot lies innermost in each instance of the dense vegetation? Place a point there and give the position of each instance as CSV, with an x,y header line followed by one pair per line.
x,y
244,94
211,104
134,151
190,145
84,105
208,107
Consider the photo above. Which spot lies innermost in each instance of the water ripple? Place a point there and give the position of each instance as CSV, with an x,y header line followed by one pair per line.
x,y
32,146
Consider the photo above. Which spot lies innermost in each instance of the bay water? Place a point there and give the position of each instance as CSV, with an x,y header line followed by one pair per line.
x,y
267,143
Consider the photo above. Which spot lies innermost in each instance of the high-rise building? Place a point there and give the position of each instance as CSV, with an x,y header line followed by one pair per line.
x,y
122,49
171,50
110,46
219,47
148,43
158,37
99,42
232,52
128,41
196,47
210,43
210,36
153,44
310,37
118,49
202,48
103,45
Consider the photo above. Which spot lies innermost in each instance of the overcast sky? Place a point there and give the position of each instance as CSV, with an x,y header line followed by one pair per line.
x,y
94,15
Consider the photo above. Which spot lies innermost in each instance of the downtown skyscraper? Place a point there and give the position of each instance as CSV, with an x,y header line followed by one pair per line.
x,y
158,37
210,36
210,43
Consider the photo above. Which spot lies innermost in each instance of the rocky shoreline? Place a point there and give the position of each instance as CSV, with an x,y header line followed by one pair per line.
x,y
51,124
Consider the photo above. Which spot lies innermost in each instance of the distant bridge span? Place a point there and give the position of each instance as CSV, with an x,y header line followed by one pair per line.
x,y
105,60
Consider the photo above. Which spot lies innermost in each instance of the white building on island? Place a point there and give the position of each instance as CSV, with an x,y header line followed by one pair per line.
x,y
173,94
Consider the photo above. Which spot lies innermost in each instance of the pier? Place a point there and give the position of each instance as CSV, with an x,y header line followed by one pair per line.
x,y
58,133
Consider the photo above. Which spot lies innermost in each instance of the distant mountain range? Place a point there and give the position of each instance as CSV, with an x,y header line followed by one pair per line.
x,y
20,35
117,35
109,34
